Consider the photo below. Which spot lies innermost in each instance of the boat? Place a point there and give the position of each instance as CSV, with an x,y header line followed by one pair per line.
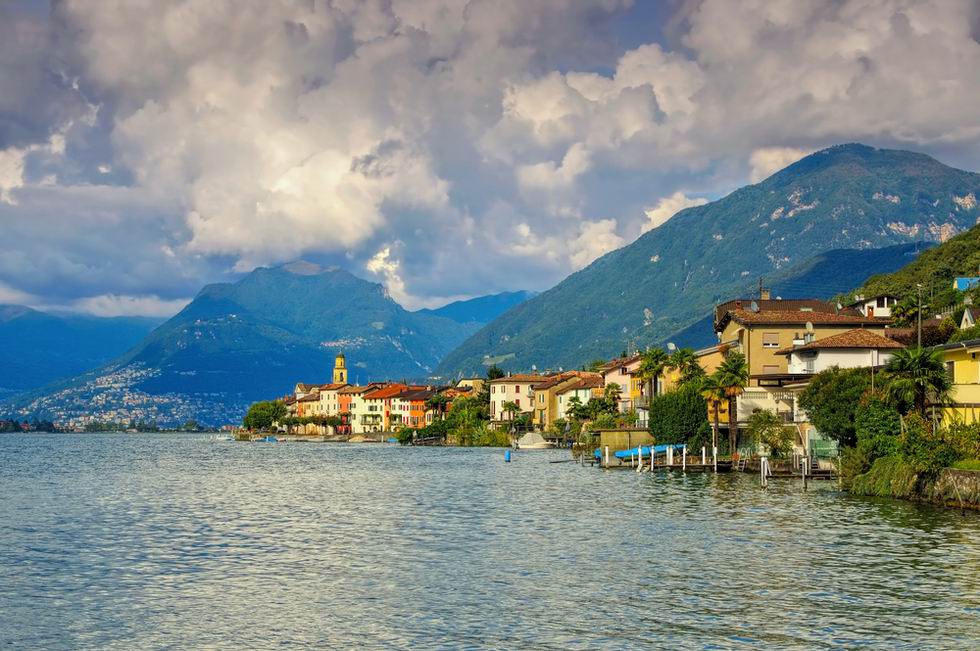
x,y
533,441
268,439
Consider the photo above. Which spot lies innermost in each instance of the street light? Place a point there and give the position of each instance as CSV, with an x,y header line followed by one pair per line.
x,y
919,286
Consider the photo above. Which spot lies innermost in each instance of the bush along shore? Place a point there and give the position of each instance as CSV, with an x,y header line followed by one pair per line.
x,y
890,429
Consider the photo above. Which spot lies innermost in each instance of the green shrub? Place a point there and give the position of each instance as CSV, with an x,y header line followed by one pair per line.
x,y
888,477
853,462
767,430
964,438
924,450
681,416
878,426
966,335
832,399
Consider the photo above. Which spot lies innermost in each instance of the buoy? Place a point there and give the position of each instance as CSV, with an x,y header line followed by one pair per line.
x,y
507,456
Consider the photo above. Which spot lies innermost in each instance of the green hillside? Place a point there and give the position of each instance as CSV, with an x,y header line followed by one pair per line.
x,y
844,197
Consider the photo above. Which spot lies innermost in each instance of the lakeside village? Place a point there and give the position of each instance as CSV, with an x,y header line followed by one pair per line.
x,y
880,392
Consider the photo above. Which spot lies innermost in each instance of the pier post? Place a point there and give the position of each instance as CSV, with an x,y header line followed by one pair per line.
x,y
639,463
714,456
607,457
684,458
653,455
803,469
763,462
670,455
704,458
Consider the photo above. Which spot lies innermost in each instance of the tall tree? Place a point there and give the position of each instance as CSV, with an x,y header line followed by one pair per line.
x,y
714,394
612,391
652,366
918,376
437,403
733,377
685,362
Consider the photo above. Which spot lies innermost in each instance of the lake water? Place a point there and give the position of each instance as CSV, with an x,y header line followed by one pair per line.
x,y
176,541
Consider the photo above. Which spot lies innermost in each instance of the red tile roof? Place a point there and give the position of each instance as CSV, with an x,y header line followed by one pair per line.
x,y
789,317
333,387
857,338
519,377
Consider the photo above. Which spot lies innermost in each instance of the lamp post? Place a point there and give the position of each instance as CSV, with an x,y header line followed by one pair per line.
x,y
919,313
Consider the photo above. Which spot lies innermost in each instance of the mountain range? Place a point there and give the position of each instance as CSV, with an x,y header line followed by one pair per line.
x,y
481,310
815,229
236,343
844,197
37,347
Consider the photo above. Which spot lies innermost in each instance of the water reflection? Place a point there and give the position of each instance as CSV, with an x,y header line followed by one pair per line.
x,y
125,541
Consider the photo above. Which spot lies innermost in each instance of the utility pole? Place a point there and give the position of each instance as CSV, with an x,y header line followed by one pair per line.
x,y
760,288
919,286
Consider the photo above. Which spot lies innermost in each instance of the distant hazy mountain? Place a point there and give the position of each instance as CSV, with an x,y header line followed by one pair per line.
x,y
37,347
235,343
844,197
482,309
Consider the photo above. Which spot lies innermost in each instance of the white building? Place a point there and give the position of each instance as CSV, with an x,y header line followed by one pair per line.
x,y
513,388
852,349
584,390
876,306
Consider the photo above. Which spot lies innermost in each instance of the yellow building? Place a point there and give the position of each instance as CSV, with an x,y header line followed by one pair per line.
x,y
340,369
545,400
964,368
760,329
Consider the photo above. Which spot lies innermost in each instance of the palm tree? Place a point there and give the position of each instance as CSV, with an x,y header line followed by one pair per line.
x,y
652,366
917,376
510,407
714,394
733,376
685,362
437,403
613,391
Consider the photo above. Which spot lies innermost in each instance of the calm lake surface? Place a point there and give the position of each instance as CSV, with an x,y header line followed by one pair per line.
x,y
176,541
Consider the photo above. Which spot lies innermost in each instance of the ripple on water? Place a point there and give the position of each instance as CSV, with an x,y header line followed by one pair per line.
x,y
136,541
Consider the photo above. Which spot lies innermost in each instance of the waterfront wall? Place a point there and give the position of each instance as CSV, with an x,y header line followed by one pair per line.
x,y
956,488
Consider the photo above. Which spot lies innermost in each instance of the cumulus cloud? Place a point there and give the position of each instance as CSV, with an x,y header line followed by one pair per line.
x,y
765,161
668,207
445,147
113,305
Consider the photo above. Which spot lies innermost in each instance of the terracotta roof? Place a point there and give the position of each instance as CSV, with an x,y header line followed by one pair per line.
x,y
583,383
619,361
304,387
519,377
386,392
857,338
553,380
332,387
350,389
790,317
309,398
288,400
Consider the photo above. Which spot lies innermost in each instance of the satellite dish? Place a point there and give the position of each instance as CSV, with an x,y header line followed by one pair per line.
x,y
754,307
671,346
534,367
809,326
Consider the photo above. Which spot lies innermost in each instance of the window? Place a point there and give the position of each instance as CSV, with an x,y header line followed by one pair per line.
x,y
770,369
517,389
770,340
493,388
540,397
951,371
882,301
517,402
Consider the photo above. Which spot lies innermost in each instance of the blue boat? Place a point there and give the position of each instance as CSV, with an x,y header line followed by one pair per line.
x,y
268,439
644,449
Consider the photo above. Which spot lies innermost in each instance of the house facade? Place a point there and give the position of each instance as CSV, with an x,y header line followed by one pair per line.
x,y
513,388
963,365
583,388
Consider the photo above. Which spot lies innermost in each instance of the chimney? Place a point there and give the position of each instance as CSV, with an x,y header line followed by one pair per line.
x,y
764,295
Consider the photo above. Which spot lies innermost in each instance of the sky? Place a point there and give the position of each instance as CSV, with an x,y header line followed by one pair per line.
x,y
445,148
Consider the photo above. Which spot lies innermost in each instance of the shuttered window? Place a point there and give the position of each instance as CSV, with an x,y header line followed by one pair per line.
x,y
770,340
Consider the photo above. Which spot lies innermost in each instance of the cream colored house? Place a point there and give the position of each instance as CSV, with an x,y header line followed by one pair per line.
x,y
518,389
583,388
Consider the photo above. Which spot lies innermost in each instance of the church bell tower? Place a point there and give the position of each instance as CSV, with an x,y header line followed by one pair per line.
x,y
340,370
